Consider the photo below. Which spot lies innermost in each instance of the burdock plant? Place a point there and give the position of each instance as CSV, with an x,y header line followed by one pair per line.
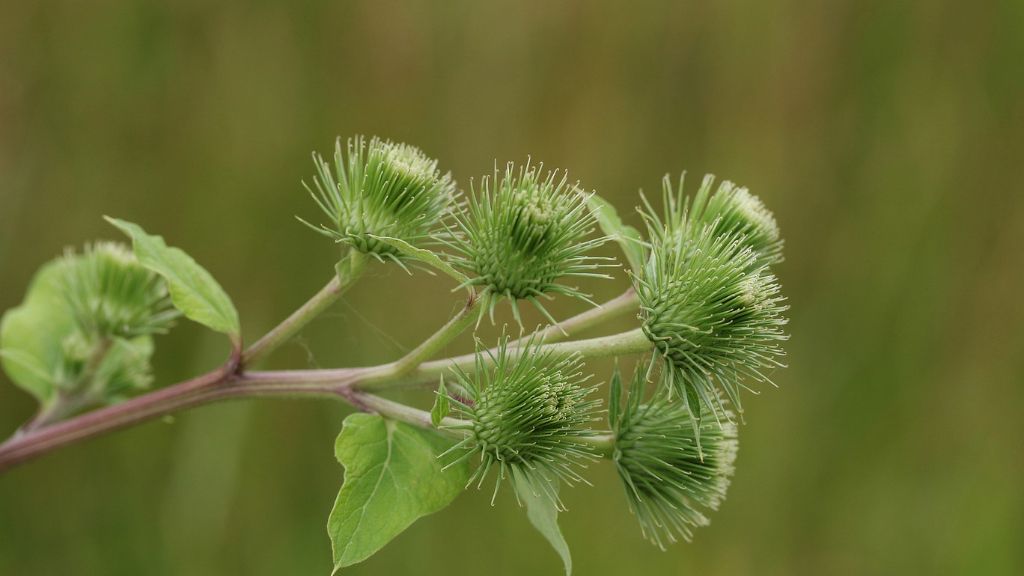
x,y
524,412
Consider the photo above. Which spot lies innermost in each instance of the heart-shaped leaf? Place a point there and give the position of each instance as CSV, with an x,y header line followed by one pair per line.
x,y
392,477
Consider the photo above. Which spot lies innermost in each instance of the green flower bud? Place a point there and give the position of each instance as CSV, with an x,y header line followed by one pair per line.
x,y
528,415
111,295
523,232
733,210
728,211
713,313
383,189
672,479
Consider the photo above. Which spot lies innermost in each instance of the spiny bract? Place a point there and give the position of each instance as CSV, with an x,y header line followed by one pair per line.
x,y
380,189
528,413
522,232
672,480
713,312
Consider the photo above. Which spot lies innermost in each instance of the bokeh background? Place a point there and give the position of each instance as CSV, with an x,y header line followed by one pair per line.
x,y
888,137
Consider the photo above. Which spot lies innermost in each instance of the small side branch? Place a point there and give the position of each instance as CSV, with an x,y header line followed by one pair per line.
x,y
349,270
469,314
610,310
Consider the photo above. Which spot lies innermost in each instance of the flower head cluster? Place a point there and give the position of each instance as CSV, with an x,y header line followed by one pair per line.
x,y
528,414
709,303
112,295
380,189
672,478
522,232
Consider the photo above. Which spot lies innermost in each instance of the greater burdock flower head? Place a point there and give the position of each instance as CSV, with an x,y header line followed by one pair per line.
x,y
527,415
734,210
729,210
522,232
673,478
380,189
112,295
710,304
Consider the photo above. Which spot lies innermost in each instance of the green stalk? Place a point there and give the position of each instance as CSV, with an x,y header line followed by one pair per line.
x,y
631,342
408,414
469,314
603,444
349,270
610,310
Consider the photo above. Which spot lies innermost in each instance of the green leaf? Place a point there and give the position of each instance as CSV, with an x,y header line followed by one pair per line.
x,y
615,396
542,511
392,477
442,406
193,290
693,407
350,267
32,335
628,237
423,255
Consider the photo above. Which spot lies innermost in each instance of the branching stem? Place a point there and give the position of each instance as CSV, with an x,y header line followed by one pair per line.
x,y
352,385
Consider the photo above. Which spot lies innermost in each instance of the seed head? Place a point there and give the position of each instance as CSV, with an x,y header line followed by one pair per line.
x,y
523,232
380,189
527,415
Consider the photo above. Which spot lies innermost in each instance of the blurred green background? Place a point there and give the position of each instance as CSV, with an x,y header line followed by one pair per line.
x,y
887,137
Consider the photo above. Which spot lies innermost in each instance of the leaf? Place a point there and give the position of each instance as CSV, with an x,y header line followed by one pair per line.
x,y
692,401
349,267
693,407
392,477
628,237
442,406
542,511
193,290
423,255
615,397
32,335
